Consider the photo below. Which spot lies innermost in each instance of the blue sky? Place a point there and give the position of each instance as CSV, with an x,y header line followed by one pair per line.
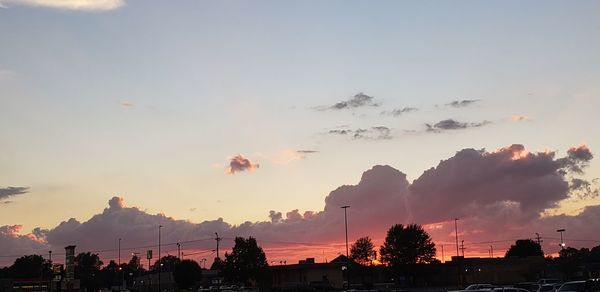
x,y
149,100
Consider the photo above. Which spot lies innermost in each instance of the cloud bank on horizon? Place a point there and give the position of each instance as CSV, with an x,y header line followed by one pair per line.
x,y
499,194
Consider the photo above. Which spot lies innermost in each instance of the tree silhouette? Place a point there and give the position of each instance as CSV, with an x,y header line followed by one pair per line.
x,y
30,266
187,273
87,269
247,261
111,274
168,263
524,248
134,266
363,251
405,245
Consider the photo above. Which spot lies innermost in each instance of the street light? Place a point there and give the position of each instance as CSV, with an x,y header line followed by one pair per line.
x,y
347,255
562,243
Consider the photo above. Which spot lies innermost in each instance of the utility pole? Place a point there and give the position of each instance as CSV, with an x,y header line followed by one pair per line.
x,y
158,261
458,263
539,241
462,247
179,251
119,252
218,239
492,251
456,234
443,260
347,254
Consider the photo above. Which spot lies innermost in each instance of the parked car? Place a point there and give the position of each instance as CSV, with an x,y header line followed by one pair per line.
x,y
480,287
529,286
548,287
592,285
509,289
549,281
573,286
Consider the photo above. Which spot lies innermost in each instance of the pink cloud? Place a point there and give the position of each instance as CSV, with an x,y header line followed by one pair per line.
x,y
520,118
239,163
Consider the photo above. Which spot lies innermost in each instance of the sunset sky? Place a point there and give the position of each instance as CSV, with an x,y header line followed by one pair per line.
x,y
262,118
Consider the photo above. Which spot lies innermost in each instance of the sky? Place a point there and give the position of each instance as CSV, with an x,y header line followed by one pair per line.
x,y
262,118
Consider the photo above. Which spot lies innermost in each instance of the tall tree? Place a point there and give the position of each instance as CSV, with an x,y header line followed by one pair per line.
x,y
30,266
524,248
405,245
111,274
363,251
187,273
247,261
167,263
87,269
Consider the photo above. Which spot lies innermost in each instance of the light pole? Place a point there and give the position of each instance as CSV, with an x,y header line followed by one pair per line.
x,y
347,255
119,251
456,234
158,261
562,243
457,255
119,266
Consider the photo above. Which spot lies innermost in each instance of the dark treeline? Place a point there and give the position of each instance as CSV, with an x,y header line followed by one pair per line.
x,y
405,248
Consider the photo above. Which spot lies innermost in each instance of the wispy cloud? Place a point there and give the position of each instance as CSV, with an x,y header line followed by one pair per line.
x,y
358,100
451,124
520,118
240,163
81,5
463,103
307,151
286,156
126,104
373,133
399,111
7,192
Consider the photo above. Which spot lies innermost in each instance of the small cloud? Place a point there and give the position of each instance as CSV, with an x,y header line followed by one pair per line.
x,y
7,192
463,103
520,118
373,133
126,104
81,5
358,100
304,153
239,163
307,151
399,111
450,124
286,156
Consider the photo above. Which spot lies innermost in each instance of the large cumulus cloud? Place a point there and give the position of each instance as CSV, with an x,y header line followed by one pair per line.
x,y
498,195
